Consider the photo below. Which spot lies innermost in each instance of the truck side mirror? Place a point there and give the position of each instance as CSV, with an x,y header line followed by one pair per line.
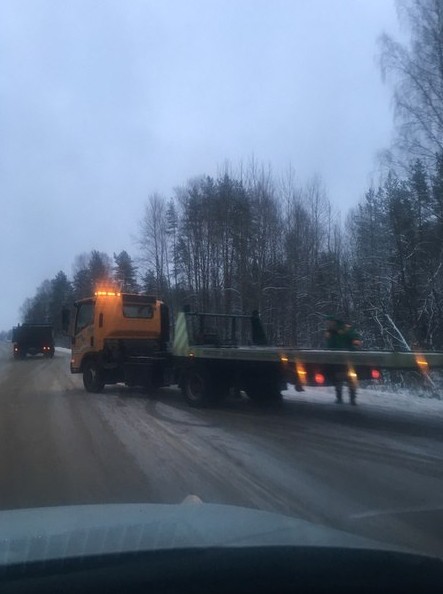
x,y
66,320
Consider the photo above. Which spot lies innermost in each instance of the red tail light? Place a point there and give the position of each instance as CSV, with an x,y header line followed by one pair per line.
x,y
375,374
319,378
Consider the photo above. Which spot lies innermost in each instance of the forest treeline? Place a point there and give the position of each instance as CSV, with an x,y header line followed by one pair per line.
x,y
239,243
252,240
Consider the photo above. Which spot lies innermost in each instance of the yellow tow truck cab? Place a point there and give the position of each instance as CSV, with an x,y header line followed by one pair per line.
x,y
120,337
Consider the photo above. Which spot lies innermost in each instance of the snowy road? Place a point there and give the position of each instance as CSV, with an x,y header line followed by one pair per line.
x,y
376,469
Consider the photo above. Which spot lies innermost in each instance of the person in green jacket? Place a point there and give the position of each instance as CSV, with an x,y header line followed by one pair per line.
x,y
342,336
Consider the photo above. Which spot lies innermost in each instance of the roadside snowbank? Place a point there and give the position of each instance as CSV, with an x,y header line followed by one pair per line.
x,y
389,400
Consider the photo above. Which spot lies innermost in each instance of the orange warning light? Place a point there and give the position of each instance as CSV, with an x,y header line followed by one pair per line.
x,y
107,294
352,374
302,374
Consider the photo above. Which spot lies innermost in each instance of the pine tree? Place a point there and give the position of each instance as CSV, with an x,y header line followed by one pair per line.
x,y
437,189
37,309
125,272
100,268
82,284
61,294
149,283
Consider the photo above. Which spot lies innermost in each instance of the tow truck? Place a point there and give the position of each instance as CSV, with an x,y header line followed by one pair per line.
x,y
121,337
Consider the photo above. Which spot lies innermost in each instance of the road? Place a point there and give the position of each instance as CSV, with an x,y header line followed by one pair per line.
x,y
371,470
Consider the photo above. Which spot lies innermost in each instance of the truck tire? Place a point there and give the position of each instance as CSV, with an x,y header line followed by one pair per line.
x,y
200,389
92,378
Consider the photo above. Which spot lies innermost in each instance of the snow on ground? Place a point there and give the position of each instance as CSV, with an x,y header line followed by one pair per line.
x,y
62,350
381,397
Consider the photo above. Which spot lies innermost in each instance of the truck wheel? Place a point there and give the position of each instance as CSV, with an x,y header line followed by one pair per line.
x,y
195,388
92,378
200,390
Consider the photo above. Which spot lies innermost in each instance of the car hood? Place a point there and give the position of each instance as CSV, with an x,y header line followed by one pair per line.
x,y
58,533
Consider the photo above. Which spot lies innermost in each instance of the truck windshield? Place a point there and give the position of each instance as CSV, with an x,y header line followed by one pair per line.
x,y
85,316
137,310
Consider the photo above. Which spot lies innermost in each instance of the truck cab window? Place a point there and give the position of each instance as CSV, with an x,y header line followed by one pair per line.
x,y
85,316
137,310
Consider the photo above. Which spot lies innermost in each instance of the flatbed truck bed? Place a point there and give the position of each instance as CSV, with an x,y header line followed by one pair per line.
x,y
206,372
384,359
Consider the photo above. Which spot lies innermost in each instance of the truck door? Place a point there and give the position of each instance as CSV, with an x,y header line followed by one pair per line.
x,y
83,340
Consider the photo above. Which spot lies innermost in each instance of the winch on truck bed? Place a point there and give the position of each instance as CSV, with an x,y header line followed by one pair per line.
x,y
123,337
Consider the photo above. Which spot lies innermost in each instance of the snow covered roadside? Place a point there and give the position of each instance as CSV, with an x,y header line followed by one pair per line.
x,y
62,349
407,401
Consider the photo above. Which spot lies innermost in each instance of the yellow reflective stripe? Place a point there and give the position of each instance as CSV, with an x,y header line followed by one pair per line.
x,y
181,342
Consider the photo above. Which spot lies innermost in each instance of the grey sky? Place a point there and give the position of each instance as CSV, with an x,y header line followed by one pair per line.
x,y
103,102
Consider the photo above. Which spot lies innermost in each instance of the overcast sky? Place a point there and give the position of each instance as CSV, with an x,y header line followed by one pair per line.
x,y
103,102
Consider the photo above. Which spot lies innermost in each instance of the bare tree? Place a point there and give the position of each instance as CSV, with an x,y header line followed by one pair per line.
x,y
416,70
153,242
